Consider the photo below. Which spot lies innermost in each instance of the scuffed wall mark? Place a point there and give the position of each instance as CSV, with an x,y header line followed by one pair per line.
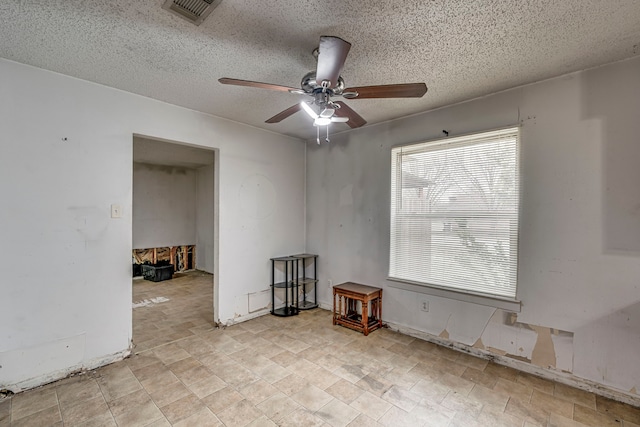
x,y
258,197
346,195
528,119
478,343
258,301
544,352
266,307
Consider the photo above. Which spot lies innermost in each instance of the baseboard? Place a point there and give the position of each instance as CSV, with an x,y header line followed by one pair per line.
x,y
236,320
325,306
64,373
560,377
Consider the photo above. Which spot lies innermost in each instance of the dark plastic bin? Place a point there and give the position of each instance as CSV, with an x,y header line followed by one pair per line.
x,y
137,270
157,273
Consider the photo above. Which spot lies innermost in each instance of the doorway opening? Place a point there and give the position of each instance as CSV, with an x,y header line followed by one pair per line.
x,y
174,253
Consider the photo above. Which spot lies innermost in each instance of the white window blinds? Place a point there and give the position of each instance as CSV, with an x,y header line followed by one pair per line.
x,y
454,213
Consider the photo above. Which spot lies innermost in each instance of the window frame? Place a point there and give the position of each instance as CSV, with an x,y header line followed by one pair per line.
x,y
467,295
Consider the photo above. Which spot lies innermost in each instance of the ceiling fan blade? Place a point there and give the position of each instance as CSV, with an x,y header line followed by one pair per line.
x,y
284,114
355,119
404,90
332,53
249,83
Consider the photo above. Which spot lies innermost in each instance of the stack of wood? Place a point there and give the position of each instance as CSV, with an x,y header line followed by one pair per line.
x,y
181,257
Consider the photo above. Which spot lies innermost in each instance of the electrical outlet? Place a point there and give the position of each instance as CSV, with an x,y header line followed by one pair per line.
x,y
424,305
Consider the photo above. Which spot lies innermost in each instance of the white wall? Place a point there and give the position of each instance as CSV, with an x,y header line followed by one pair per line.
x,y
204,219
580,223
164,206
65,157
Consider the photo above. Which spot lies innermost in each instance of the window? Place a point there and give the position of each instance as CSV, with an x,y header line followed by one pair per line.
x,y
454,213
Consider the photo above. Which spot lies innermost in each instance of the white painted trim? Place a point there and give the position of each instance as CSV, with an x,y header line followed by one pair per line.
x,y
64,373
548,374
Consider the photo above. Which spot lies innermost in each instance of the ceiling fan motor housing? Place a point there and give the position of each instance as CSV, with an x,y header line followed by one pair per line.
x,y
325,82
309,84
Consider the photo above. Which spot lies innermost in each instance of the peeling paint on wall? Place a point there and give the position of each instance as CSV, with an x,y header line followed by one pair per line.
x,y
444,334
520,358
544,352
539,345
497,351
478,344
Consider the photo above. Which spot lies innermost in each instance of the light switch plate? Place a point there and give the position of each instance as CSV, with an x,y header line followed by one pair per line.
x,y
116,211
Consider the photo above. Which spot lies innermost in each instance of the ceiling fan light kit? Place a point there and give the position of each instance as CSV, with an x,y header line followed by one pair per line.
x,y
326,82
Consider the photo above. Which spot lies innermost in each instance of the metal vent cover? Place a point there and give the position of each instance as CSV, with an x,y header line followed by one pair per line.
x,y
194,11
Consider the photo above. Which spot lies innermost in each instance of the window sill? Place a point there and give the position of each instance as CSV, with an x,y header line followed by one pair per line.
x,y
497,302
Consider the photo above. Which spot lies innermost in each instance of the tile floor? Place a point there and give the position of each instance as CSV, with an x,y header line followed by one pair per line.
x,y
297,371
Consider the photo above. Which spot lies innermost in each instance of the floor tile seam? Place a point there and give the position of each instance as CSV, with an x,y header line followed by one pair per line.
x,y
607,414
11,411
113,417
128,412
488,403
161,345
79,403
10,400
391,405
581,391
617,414
57,406
105,397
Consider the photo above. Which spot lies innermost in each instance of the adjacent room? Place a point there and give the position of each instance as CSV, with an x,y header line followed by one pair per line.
x,y
340,213
172,238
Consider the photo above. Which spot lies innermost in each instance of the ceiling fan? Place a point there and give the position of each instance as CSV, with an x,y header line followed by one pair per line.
x,y
325,83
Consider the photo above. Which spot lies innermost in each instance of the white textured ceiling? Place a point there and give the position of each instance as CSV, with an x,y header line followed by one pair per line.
x,y
460,48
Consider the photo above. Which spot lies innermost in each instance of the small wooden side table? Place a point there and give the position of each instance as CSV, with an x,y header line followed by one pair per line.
x,y
345,307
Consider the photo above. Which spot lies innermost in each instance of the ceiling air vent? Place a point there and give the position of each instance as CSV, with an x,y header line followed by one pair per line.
x,y
194,11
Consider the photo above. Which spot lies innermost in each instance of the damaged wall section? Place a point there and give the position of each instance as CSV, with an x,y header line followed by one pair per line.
x,y
182,258
578,269
542,346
